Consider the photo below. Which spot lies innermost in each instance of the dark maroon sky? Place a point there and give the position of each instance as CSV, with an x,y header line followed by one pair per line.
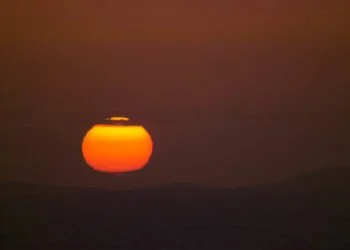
x,y
233,92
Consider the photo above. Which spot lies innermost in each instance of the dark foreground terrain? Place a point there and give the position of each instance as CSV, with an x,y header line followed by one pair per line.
x,y
307,212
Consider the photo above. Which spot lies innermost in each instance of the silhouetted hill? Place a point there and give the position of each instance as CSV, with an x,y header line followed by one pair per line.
x,y
177,186
324,179
307,212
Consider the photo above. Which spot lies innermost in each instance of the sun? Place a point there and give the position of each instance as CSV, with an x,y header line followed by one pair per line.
x,y
116,146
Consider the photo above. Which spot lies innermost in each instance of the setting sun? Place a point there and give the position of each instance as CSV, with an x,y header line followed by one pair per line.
x,y
116,147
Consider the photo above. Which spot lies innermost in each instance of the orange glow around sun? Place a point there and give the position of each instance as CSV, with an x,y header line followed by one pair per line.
x,y
117,148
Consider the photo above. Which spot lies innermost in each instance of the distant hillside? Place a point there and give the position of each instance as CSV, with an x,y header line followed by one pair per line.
x,y
307,212
328,179
323,179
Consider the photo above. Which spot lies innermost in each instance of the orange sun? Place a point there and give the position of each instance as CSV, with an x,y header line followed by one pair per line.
x,y
116,147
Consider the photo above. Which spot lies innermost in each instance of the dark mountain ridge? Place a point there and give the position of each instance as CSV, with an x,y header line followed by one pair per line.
x,y
324,179
306,212
327,178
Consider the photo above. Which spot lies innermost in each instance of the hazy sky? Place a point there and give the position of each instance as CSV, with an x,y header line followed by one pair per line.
x,y
233,92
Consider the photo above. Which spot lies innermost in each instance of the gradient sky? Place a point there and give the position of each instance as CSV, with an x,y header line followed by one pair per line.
x,y
233,92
